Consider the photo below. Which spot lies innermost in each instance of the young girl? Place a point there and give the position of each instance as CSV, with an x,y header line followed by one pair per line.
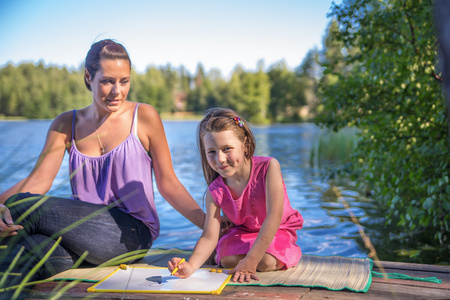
x,y
251,192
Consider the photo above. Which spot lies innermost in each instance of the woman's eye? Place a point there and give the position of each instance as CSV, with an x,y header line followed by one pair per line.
x,y
106,81
125,82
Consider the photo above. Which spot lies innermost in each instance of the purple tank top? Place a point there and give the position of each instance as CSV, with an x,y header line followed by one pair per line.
x,y
122,176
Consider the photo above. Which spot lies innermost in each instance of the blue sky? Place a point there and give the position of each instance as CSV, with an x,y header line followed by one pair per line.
x,y
218,34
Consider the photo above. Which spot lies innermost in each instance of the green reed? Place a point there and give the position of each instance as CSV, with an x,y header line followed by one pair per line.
x,y
333,147
59,290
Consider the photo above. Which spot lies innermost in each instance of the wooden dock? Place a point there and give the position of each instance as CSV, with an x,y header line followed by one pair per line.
x,y
380,288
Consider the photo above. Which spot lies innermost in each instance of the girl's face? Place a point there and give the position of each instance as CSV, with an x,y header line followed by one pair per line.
x,y
111,84
225,154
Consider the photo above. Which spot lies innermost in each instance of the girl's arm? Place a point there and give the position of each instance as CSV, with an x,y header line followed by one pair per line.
x,y
151,132
40,180
205,245
274,214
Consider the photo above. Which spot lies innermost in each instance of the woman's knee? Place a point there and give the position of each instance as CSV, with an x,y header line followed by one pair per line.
x,y
19,196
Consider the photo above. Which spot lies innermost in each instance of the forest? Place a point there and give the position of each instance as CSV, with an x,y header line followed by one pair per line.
x,y
41,92
377,71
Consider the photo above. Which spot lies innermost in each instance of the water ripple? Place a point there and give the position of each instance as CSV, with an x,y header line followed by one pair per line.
x,y
327,228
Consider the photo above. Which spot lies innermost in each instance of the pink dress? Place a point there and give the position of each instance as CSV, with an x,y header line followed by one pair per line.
x,y
248,213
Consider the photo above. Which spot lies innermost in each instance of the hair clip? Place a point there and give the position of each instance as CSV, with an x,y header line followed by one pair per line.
x,y
238,121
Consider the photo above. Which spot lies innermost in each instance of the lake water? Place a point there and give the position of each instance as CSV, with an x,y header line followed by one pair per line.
x,y
327,230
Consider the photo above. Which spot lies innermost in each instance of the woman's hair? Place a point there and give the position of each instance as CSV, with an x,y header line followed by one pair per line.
x,y
221,119
104,49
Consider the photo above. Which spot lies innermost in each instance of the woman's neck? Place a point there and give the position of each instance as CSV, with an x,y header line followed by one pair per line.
x,y
100,115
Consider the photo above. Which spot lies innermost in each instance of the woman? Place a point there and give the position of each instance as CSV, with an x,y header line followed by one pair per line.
x,y
113,145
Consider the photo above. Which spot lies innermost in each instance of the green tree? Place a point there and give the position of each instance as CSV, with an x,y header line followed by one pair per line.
x,y
154,88
234,90
197,98
255,89
389,89
287,93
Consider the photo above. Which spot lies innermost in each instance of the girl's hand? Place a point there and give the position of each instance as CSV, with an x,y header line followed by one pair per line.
x,y
244,271
7,227
184,268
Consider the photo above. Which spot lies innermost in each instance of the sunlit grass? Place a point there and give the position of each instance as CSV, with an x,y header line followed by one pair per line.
x,y
59,289
336,147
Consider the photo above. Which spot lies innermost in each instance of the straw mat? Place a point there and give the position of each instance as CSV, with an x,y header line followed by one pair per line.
x,y
330,272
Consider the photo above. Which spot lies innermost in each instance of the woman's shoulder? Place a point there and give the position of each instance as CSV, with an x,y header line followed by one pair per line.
x,y
147,110
148,114
65,116
63,122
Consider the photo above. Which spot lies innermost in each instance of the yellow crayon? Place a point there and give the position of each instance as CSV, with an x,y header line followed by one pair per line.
x,y
176,268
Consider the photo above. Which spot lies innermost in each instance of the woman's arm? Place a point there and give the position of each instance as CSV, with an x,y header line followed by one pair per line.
x,y
274,214
40,180
205,245
168,184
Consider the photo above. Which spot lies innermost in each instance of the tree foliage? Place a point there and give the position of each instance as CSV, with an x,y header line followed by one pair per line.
x,y
36,91
381,77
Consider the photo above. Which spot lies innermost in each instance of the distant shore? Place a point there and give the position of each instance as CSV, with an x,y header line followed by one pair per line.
x,y
165,116
181,115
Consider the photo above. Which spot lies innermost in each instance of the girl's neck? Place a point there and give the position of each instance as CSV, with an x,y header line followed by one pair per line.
x,y
239,181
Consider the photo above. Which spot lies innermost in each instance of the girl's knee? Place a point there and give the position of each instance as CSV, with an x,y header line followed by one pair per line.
x,y
231,261
269,263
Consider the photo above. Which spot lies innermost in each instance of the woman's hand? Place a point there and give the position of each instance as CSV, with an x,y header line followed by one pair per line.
x,y
244,271
184,269
225,225
7,227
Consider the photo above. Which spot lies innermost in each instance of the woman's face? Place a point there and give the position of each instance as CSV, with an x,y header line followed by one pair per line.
x,y
111,84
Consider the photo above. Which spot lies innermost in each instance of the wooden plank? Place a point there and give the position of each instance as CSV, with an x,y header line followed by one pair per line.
x,y
443,286
416,270
417,273
319,294
43,291
408,292
380,289
414,267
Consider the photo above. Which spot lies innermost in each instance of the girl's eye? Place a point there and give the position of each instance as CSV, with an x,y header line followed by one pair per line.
x,y
211,152
125,82
106,81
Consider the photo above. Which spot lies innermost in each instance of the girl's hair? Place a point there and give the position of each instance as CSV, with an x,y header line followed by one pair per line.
x,y
221,119
104,49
